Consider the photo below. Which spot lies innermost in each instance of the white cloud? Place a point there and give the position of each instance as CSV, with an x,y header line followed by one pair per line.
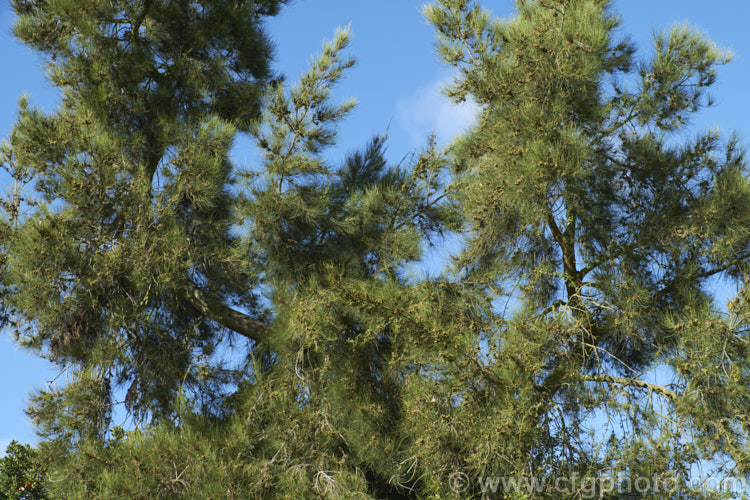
x,y
429,110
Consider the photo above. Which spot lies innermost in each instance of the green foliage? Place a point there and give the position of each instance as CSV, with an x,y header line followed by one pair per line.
x,y
22,475
574,337
581,195
125,206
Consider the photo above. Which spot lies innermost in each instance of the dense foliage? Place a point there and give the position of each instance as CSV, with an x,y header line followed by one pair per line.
x,y
575,337
22,474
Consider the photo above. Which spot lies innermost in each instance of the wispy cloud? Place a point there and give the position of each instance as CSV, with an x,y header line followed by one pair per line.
x,y
428,110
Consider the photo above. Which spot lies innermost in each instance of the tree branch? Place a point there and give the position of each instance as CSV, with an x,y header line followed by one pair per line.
x,y
704,274
608,379
136,25
226,316
722,268
573,279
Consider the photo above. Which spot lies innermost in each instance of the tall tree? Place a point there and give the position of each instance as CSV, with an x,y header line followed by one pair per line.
x,y
585,199
318,409
576,337
119,259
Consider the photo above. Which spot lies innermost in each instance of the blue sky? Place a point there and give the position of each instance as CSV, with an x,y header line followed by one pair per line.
x,y
397,82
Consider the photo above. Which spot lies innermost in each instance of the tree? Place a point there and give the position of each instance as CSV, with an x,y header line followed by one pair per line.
x,y
125,248
22,475
116,244
123,272
581,195
593,232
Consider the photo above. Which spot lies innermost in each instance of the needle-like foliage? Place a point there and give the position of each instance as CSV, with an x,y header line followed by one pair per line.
x,y
590,199
573,350
117,241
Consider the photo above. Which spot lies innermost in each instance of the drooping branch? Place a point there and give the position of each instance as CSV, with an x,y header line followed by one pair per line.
x,y
226,316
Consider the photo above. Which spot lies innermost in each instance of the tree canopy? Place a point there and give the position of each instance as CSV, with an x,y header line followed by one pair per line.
x,y
135,253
